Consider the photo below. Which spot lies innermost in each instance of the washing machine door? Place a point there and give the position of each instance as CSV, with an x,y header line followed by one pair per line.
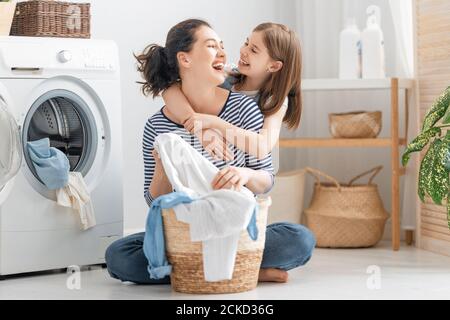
x,y
10,145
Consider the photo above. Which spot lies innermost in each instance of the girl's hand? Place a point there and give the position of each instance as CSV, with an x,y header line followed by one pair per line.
x,y
231,177
200,121
213,142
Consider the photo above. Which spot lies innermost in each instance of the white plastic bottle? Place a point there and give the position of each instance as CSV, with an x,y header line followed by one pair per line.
x,y
373,64
350,52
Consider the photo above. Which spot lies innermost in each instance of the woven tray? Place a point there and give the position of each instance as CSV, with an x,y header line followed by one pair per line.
x,y
40,18
358,124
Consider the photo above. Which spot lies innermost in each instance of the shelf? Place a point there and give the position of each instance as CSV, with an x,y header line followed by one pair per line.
x,y
337,143
357,84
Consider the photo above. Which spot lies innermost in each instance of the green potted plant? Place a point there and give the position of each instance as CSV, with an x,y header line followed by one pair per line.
x,y
7,9
434,169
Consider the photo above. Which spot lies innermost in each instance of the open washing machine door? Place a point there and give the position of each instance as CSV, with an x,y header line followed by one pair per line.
x,y
67,121
10,145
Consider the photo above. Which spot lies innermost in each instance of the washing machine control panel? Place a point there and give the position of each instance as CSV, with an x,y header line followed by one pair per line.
x,y
96,60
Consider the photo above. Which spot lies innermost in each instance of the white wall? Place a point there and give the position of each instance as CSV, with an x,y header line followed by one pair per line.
x,y
136,23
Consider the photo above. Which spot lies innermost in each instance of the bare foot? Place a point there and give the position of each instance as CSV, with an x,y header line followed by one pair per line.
x,y
273,275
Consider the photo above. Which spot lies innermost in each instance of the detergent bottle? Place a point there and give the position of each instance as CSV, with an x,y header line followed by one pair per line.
x,y
373,64
350,51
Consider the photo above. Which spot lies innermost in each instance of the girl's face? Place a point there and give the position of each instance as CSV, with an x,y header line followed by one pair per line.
x,y
207,58
255,60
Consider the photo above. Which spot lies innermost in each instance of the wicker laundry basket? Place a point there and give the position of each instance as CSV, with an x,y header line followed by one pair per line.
x,y
47,18
346,215
358,124
187,259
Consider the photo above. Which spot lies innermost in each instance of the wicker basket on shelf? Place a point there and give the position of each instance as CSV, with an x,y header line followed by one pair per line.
x,y
346,215
357,124
187,260
46,18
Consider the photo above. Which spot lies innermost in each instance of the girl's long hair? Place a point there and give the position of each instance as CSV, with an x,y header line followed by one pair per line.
x,y
283,45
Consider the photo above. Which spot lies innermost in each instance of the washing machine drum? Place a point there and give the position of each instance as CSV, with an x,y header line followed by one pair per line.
x,y
10,147
58,119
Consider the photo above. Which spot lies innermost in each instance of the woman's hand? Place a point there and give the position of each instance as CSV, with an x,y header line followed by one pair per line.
x,y
213,142
231,177
200,121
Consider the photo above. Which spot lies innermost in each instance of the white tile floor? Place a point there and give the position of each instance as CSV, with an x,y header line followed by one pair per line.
x,y
331,274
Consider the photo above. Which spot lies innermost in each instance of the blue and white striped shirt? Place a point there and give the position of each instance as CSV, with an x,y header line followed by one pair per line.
x,y
238,110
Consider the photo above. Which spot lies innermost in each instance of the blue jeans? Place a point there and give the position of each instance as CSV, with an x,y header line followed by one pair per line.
x,y
287,246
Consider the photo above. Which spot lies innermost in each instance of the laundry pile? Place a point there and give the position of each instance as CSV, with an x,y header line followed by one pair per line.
x,y
53,168
215,217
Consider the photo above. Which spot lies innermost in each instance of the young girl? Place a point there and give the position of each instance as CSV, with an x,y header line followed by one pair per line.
x,y
270,72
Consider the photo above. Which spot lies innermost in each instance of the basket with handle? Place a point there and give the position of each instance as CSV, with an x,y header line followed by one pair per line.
x,y
48,18
186,257
346,215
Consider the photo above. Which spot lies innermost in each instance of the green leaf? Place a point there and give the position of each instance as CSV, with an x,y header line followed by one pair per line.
x,y
419,143
425,168
433,175
438,110
439,177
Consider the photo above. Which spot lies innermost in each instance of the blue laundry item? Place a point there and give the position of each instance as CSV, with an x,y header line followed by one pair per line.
x,y
154,241
52,166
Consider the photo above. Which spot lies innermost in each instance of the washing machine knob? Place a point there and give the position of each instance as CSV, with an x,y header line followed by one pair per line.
x,y
64,56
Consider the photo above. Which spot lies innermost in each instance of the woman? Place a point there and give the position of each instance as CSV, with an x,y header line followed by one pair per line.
x,y
194,53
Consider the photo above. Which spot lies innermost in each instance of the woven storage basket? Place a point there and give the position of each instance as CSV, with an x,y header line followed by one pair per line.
x,y
187,259
358,124
346,215
39,18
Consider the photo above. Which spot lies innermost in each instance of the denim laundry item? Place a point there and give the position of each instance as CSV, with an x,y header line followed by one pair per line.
x,y
51,165
154,242
216,217
75,195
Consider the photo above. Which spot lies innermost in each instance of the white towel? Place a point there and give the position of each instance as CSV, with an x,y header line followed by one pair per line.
x,y
75,195
217,217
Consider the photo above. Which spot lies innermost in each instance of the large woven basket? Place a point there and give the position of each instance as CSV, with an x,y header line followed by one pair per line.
x,y
39,18
346,215
358,124
187,259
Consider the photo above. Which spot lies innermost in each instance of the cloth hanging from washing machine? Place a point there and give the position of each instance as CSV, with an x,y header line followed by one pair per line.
x,y
51,164
52,167
75,195
216,217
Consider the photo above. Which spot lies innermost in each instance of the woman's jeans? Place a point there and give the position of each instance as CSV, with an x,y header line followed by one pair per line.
x,y
287,246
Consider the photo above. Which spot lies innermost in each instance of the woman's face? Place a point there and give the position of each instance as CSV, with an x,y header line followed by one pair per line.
x,y
255,59
207,58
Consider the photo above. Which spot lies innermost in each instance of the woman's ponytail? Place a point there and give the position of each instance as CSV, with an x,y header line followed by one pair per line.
x,y
159,65
155,69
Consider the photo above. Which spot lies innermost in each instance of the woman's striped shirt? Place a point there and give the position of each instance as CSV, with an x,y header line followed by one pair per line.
x,y
238,110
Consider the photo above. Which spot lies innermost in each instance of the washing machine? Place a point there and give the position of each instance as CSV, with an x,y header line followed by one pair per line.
x,y
67,90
